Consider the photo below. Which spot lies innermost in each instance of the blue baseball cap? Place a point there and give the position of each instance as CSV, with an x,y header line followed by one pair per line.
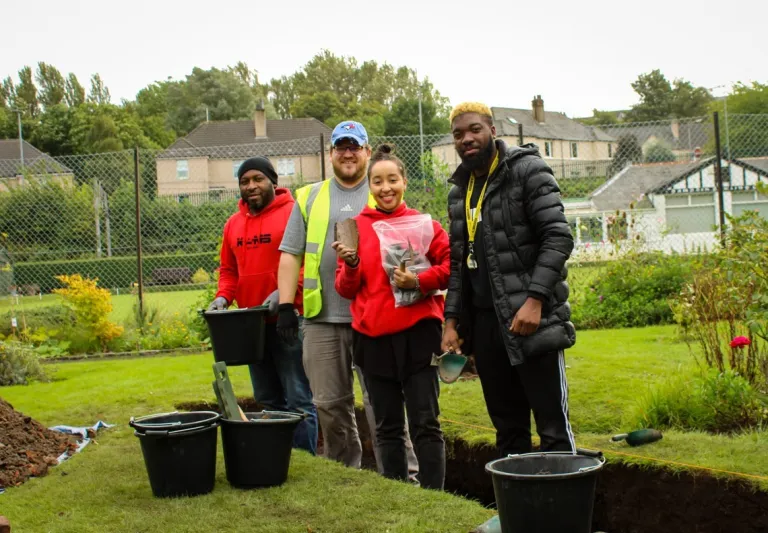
x,y
349,129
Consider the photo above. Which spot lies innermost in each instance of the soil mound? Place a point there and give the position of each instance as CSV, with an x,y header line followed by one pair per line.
x,y
27,448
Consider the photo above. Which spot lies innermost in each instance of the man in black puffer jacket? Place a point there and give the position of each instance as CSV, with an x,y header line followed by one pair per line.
x,y
507,295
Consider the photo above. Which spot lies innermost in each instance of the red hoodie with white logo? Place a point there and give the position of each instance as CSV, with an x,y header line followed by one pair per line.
x,y
367,285
250,253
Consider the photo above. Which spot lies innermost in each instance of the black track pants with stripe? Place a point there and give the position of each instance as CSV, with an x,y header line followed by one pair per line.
x,y
513,392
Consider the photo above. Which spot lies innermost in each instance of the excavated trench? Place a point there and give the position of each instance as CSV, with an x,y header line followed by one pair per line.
x,y
629,499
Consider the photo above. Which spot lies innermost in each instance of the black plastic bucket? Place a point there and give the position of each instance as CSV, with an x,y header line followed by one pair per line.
x,y
548,492
179,451
257,453
237,335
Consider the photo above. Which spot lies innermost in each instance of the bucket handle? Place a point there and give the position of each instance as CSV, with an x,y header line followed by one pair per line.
x,y
179,433
132,421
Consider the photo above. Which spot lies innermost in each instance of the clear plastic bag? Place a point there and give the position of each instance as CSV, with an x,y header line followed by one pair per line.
x,y
404,243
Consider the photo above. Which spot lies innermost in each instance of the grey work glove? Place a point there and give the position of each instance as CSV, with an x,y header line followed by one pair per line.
x,y
272,301
219,304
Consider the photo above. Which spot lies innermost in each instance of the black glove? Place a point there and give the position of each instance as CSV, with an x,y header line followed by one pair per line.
x,y
272,301
287,323
219,304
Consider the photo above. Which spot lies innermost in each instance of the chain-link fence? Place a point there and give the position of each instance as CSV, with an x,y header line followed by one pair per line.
x,y
653,184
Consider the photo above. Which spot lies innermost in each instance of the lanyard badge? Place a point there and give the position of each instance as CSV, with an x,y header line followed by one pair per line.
x,y
473,218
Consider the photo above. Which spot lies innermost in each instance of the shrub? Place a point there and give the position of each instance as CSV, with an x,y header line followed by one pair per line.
x,y
18,364
659,152
113,272
52,318
728,297
631,292
201,276
717,402
92,306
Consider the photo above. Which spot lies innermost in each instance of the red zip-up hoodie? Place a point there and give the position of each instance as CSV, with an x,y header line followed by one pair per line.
x,y
250,255
367,285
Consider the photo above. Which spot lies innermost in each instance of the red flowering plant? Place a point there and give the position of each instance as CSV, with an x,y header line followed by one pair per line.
x,y
724,308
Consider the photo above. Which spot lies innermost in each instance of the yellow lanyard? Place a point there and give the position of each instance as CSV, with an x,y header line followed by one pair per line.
x,y
473,219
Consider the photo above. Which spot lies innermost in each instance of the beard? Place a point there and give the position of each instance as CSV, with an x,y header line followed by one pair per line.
x,y
257,204
349,172
481,160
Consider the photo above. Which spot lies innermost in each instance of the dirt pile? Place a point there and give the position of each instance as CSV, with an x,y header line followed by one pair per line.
x,y
27,448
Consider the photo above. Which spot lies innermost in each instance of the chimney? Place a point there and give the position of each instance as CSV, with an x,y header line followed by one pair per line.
x,y
260,120
538,109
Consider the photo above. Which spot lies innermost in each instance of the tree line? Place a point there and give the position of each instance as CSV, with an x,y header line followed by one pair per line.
x,y
60,116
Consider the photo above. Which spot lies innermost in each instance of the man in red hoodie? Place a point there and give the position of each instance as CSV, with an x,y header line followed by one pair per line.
x,y
248,275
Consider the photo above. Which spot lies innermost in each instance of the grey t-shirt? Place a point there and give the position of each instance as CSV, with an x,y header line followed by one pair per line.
x,y
345,203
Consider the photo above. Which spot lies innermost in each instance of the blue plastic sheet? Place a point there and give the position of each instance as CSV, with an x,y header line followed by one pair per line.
x,y
82,432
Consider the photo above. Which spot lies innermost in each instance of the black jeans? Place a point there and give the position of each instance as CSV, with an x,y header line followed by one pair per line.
x,y
512,392
419,392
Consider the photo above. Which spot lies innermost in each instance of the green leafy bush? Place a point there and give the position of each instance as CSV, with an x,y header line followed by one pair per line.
x,y
112,272
717,402
18,364
51,318
631,292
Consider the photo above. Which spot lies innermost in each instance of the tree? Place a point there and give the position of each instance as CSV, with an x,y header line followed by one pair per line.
x,y
660,99
51,83
601,118
359,89
74,93
99,93
53,134
628,151
747,130
321,105
403,118
659,152
689,101
223,94
26,93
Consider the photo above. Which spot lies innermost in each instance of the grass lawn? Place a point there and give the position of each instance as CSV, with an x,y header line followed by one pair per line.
x,y
105,488
122,304
607,371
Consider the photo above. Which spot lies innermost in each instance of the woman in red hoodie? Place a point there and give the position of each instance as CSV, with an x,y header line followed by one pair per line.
x,y
394,345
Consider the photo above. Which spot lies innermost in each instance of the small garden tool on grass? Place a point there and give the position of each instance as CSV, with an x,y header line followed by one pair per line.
x,y
449,366
225,395
639,437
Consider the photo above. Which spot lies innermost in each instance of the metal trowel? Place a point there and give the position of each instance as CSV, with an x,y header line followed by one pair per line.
x,y
449,366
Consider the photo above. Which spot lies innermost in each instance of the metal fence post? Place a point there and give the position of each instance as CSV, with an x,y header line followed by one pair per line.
x,y
719,178
322,156
97,217
137,187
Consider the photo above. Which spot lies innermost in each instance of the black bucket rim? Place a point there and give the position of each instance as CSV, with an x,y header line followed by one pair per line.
x,y
172,434
140,426
288,418
239,310
582,472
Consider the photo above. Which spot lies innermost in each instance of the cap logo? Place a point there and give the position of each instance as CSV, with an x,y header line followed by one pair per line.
x,y
349,126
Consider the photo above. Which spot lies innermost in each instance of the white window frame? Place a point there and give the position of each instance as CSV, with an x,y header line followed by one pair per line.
x,y
236,166
286,166
574,149
548,149
182,169
689,205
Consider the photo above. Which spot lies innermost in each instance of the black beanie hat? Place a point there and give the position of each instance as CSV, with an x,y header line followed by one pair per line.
x,y
261,164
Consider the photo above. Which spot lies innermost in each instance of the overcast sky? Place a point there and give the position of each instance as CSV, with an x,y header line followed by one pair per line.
x,y
577,55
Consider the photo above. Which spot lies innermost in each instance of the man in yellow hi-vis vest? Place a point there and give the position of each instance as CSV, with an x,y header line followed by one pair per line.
x,y
326,329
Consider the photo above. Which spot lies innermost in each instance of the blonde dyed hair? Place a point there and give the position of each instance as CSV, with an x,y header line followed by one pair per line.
x,y
471,107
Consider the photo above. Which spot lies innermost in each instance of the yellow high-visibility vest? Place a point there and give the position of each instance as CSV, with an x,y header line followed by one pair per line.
x,y
317,227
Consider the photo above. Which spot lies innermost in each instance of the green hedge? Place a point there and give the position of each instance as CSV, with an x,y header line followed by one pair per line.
x,y
113,272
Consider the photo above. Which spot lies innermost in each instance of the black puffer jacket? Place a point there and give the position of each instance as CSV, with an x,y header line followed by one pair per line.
x,y
527,242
